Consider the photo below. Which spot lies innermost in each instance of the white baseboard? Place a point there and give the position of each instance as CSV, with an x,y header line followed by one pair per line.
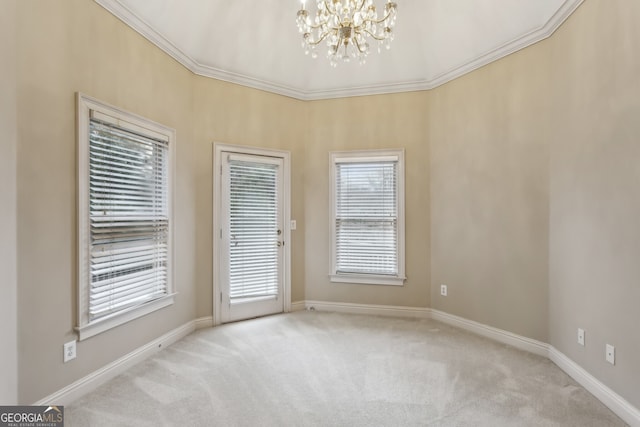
x,y
95,379
376,310
298,306
204,322
614,401
611,399
505,337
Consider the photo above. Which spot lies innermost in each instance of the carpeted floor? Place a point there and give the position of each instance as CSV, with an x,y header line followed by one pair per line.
x,y
329,369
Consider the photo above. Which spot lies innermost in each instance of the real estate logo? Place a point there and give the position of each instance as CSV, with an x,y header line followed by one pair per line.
x,y
31,416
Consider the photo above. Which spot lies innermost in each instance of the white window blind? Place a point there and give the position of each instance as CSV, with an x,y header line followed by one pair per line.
x,y
367,214
128,217
125,253
253,216
366,217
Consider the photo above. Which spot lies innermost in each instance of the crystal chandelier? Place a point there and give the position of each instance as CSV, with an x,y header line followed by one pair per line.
x,y
346,26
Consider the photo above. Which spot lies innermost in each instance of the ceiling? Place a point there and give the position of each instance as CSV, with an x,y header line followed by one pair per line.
x,y
256,43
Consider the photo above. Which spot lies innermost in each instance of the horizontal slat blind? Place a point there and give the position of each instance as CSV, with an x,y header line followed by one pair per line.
x,y
129,219
253,216
366,217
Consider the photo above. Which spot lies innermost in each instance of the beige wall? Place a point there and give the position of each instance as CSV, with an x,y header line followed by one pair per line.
x,y
8,188
489,194
64,47
534,176
520,184
78,46
231,114
594,196
373,122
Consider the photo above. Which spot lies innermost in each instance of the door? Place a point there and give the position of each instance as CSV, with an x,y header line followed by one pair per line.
x,y
252,238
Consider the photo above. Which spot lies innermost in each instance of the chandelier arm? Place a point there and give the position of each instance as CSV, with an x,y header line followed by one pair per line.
x,y
315,27
373,35
324,36
380,21
358,46
331,11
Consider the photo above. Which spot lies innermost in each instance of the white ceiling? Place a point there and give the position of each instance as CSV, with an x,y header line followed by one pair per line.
x,y
256,42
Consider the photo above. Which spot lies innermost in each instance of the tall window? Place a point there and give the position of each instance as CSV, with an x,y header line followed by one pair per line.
x,y
124,216
367,206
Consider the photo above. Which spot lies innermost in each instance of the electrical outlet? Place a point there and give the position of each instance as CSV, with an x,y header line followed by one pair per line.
x,y
611,354
443,290
69,351
581,336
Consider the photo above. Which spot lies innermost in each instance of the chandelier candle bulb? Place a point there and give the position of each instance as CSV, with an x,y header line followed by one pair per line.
x,y
346,26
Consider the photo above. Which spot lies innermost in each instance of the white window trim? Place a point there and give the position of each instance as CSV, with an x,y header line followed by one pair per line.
x,y
368,156
85,107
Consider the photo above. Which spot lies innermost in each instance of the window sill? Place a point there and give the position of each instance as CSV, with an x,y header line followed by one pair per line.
x,y
367,279
99,326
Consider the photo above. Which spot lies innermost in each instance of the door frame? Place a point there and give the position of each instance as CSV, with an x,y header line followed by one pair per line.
x,y
218,149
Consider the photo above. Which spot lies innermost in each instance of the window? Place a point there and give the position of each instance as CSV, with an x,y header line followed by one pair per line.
x,y
124,212
367,210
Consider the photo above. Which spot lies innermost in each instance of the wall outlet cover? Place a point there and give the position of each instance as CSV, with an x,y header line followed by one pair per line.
x,y
69,351
610,354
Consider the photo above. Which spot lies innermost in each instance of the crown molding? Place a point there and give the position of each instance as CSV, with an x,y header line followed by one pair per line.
x,y
248,81
532,37
123,13
528,39
147,31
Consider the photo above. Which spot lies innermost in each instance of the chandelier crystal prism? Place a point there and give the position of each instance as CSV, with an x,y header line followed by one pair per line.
x,y
346,26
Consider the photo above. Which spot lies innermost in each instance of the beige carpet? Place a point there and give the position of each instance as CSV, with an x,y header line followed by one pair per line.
x,y
328,369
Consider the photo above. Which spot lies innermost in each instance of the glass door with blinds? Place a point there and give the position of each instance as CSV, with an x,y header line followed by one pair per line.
x,y
252,236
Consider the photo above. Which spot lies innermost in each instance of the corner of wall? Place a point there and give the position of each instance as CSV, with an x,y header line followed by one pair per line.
x,y
8,197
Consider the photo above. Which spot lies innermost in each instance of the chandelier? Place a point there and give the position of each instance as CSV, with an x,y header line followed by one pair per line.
x,y
347,26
